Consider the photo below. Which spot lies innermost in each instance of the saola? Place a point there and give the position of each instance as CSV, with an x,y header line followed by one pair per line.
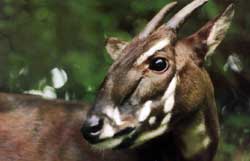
x,y
156,103
158,89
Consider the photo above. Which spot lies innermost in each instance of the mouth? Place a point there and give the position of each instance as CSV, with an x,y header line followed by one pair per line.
x,y
121,140
125,133
130,138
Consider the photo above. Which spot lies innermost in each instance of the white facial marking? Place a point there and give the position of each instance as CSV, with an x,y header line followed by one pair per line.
x,y
109,111
145,111
113,114
158,46
166,119
169,95
117,116
107,131
150,135
152,120
112,142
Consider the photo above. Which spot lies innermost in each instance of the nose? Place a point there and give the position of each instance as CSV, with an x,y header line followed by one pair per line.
x,y
92,128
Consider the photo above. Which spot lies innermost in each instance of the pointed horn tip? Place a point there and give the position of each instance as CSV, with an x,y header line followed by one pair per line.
x,y
173,3
170,5
157,19
188,9
199,1
202,1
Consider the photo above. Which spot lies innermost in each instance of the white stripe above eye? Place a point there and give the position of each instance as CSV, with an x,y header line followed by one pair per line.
x,y
157,46
169,95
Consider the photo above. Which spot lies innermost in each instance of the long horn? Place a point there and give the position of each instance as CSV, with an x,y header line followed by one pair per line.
x,y
178,19
150,27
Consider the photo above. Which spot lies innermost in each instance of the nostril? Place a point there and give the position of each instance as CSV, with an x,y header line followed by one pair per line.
x,y
92,128
95,125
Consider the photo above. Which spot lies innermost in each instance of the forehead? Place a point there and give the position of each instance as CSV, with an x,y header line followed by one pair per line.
x,y
140,49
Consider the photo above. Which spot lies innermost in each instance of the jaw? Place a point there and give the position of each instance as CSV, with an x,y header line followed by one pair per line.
x,y
132,139
146,126
148,135
123,141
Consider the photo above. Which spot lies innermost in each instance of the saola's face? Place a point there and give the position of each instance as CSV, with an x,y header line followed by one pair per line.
x,y
137,99
137,90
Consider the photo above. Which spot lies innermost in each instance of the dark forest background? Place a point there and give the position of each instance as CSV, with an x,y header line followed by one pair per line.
x,y
55,48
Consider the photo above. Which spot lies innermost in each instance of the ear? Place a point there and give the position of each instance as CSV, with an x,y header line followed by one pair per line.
x,y
206,40
114,47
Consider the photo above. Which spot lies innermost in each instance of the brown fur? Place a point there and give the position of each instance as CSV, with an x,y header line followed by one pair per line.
x,y
34,129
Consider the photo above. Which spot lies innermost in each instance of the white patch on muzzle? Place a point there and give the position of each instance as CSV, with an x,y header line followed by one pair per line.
x,y
113,114
169,95
107,132
145,111
117,116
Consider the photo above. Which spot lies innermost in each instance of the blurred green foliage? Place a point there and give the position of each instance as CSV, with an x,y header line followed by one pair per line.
x,y
37,36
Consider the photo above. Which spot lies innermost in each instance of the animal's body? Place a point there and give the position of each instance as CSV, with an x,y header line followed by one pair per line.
x,y
156,103
35,129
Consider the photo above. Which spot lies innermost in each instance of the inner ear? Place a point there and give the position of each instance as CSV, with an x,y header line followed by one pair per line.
x,y
207,39
114,47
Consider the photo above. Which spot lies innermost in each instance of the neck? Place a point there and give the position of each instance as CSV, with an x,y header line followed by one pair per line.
x,y
197,135
198,140
192,138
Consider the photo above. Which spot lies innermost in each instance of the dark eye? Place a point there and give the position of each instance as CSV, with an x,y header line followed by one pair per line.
x,y
158,64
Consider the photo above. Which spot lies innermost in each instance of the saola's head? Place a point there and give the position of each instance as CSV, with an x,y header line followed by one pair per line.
x,y
154,80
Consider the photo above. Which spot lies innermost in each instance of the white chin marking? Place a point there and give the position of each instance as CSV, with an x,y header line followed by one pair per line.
x,y
169,95
112,142
107,131
158,46
146,136
108,144
145,111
